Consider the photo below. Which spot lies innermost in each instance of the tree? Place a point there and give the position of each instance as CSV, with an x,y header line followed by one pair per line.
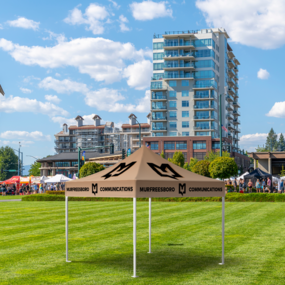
x,y
189,165
223,167
271,141
211,155
90,168
282,171
261,149
8,161
35,169
202,168
281,143
178,159
162,154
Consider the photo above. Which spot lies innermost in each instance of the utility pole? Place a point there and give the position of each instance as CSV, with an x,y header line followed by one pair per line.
x,y
220,117
19,158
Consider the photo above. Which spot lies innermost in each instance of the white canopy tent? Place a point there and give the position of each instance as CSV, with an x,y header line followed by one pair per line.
x,y
59,178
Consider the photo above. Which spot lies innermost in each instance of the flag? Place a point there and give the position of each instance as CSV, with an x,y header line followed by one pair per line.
x,y
83,155
224,128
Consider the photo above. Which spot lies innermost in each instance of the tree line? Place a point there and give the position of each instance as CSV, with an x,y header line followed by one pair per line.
x,y
272,143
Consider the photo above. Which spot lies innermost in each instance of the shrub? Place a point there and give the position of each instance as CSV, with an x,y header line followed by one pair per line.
x,y
90,168
223,167
189,166
178,158
55,192
202,168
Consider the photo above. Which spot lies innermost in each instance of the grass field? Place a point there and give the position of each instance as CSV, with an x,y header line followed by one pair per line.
x,y
186,243
10,197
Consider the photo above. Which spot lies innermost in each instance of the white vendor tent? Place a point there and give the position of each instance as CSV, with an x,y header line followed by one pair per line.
x,y
59,178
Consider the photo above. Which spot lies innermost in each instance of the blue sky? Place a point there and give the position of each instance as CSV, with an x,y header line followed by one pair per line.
x,y
60,59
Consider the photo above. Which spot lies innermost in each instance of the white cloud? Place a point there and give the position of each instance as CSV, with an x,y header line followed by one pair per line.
x,y
24,23
57,74
250,142
258,23
93,18
263,74
59,37
1,27
17,104
149,10
36,135
101,58
277,111
65,86
123,20
52,98
24,143
88,120
139,74
115,4
29,79
26,90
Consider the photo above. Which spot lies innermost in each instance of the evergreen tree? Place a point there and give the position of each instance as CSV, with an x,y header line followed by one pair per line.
x,y
271,141
281,143
178,159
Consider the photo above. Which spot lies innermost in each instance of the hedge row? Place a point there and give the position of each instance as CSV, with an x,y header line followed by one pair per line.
x,y
55,192
230,197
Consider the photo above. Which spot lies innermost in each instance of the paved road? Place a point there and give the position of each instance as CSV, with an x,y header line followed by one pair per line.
x,y
14,200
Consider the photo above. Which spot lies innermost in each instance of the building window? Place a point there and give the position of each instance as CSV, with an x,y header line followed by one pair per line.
x,y
185,134
154,145
185,82
73,163
173,134
199,145
185,114
199,155
158,45
172,104
181,145
185,93
158,55
185,124
62,164
169,145
172,83
172,94
158,66
202,134
158,76
168,155
185,103
172,124
172,114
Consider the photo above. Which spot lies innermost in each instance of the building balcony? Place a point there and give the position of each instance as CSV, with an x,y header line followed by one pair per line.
x,y
229,107
158,108
178,76
60,141
236,104
189,55
236,113
230,54
158,86
236,96
231,91
204,128
156,129
201,118
230,63
230,135
175,45
159,97
201,97
230,126
183,66
231,83
236,121
229,98
159,118
236,69
236,138
230,72
229,116
203,107
204,86
236,86
237,129
236,61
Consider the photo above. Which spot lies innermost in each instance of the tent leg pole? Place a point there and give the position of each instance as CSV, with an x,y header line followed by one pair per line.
x,y
149,251
66,227
223,231
135,236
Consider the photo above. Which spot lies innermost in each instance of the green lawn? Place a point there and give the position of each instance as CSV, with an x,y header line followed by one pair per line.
x,y
10,197
32,239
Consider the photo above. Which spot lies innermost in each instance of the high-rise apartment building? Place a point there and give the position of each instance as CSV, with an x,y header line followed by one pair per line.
x,y
190,70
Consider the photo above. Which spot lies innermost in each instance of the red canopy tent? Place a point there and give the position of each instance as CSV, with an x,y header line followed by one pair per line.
x,y
12,180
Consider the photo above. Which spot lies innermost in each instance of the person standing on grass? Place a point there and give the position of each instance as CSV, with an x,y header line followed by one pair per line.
x,y
249,185
263,185
282,186
269,183
240,186
235,184
258,186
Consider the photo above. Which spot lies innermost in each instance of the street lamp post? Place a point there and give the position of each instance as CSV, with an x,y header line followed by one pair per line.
x,y
32,156
139,132
220,115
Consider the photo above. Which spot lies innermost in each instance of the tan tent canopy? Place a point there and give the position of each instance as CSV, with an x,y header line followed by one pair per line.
x,y
144,174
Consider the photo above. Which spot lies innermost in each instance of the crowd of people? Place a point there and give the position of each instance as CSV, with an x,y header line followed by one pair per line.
x,y
26,189
261,186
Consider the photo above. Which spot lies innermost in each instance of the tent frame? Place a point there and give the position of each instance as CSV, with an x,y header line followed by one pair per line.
x,y
135,232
